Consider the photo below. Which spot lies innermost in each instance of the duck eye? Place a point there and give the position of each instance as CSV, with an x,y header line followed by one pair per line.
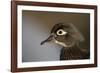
x,y
61,32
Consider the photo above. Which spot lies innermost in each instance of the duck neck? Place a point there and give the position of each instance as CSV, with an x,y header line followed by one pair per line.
x,y
70,53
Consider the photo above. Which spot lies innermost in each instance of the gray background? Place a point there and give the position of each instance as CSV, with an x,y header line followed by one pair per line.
x,y
36,27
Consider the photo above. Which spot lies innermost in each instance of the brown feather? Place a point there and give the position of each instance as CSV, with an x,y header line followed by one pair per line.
x,y
73,53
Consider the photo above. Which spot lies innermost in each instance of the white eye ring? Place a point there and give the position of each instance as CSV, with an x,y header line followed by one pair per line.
x,y
61,32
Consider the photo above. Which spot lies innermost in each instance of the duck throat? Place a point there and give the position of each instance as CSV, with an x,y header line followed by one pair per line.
x,y
60,43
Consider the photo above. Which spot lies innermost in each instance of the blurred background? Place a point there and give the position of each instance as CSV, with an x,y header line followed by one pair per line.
x,y
36,27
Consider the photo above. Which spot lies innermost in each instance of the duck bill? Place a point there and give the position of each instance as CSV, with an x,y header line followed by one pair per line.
x,y
47,40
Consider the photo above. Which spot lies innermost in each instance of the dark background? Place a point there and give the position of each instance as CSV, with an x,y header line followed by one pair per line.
x,y
36,27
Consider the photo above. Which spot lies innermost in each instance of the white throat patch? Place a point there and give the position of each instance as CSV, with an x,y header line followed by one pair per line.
x,y
60,43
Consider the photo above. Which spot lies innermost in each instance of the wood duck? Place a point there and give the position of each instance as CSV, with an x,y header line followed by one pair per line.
x,y
69,37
